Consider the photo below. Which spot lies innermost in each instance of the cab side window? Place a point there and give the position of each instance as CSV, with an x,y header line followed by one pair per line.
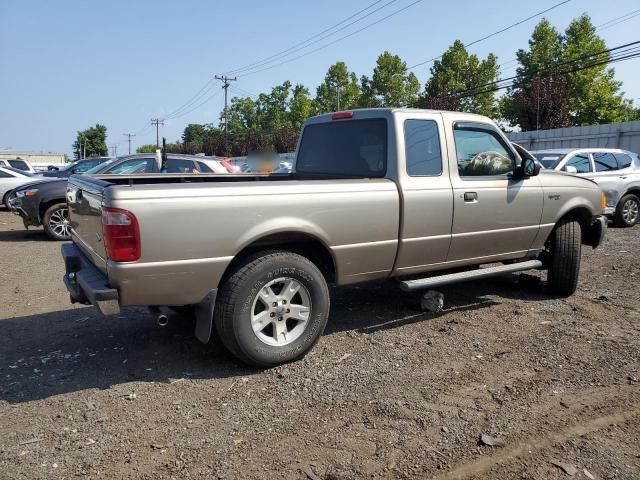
x,y
580,162
422,148
5,175
605,161
482,152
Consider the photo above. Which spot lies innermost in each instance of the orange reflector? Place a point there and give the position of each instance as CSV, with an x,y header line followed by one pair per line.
x,y
603,201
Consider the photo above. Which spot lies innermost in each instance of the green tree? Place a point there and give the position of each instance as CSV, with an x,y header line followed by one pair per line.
x,y
91,142
300,107
391,85
594,94
147,148
458,71
337,80
547,93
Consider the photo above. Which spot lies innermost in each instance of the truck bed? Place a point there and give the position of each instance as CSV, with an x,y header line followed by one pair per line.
x,y
192,226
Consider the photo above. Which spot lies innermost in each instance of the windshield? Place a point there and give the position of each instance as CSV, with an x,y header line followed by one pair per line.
x,y
353,148
549,160
101,166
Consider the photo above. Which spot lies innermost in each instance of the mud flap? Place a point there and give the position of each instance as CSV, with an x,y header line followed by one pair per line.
x,y
204,316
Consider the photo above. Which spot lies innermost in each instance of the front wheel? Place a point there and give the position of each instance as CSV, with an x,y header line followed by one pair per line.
x,y
627,211
56,222
272,309
565,248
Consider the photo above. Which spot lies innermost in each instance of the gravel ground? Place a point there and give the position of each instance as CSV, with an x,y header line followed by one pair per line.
x,y
388,392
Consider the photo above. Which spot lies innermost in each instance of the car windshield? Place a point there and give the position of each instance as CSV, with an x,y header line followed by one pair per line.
x,y
21,172
549,160
101,166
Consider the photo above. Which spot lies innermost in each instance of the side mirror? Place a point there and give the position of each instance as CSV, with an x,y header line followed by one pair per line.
x,y
570,169
528,168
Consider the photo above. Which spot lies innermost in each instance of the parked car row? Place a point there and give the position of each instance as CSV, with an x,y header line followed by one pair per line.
x,y
42,201
616,171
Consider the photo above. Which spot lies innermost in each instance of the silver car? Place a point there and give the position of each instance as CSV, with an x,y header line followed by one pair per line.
x,y
616,171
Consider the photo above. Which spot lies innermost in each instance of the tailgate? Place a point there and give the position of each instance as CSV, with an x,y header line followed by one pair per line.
x,y
84,196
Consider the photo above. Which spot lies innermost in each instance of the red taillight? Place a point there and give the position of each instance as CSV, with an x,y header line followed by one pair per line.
x,y
121,235
341,115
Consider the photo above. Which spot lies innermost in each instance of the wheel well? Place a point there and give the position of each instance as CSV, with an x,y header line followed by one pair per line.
x,y
303,244
581,215
634,191
44,206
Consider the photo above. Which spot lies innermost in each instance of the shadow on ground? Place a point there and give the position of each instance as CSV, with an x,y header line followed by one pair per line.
x,y
76,349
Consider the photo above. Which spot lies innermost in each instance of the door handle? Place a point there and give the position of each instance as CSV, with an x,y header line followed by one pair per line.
x,y
470,197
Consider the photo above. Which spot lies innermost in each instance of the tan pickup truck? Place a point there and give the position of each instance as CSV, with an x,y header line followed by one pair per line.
x,y
374,193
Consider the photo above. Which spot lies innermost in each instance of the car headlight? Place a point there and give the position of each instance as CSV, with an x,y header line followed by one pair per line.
x,y
27,193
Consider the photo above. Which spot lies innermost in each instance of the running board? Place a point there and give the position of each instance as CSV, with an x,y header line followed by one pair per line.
x,y
437,281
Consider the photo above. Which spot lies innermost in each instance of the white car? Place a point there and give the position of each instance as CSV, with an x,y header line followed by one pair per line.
x,y
11,178
616,171
18,164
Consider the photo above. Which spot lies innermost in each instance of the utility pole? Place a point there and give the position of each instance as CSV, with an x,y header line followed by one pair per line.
x,y
114,150
129,135
338,96
226,81
156,122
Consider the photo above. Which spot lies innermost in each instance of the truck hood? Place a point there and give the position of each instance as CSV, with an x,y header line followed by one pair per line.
x,y
564,179
27,186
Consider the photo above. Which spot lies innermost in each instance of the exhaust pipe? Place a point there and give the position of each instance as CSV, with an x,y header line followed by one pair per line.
x,y
161,318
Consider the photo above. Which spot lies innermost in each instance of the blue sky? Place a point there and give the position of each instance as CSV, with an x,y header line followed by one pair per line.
x,y
68,64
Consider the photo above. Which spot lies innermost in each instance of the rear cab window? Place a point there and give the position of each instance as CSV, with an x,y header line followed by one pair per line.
x,y
19,164
344,148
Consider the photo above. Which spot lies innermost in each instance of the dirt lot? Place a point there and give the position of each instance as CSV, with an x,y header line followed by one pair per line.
x,y
389,391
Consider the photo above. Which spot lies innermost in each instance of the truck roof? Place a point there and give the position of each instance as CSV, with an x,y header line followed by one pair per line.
x,y
380,112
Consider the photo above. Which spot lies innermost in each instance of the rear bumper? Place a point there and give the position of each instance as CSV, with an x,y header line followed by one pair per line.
x,y
597,232
87,284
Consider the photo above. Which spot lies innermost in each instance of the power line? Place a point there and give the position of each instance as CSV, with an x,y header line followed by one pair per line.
x,y
306,44
303,42
195,98
603,26
396,12
196,107
502,30
624,52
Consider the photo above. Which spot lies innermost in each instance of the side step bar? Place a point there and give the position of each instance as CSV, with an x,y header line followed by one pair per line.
x,y
429,282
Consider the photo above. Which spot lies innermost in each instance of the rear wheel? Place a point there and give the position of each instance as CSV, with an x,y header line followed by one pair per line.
x,y
565,248
56,222
5,199
627,211
272,309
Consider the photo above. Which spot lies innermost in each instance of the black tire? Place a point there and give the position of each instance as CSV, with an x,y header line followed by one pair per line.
x,y
51,224
238,300
5,199
564,262
627,211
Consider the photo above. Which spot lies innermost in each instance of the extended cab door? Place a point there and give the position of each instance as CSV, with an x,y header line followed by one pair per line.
x,y
425,187
494,215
